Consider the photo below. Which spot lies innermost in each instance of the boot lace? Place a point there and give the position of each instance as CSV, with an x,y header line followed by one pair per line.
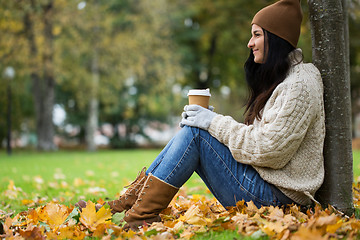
x,y
135,185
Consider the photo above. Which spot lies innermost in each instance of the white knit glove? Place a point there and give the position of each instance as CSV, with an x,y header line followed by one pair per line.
x,y
197,116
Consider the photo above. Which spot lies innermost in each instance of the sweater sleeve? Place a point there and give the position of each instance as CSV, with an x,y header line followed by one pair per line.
x,y
273,140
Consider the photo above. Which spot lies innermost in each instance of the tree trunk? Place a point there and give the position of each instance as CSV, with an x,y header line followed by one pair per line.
x,y
9,103
93,114
43,87
329,27
92,122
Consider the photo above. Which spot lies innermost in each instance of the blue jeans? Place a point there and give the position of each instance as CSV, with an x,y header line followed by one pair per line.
x,y
195,150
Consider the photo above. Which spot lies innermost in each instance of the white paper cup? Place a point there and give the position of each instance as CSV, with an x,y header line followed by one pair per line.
x,y
199,97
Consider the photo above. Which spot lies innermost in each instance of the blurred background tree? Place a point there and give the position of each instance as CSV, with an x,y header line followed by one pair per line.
x,y
12,54
128,64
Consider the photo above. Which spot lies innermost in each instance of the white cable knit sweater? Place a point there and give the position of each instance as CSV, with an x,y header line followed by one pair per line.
x,y
286,145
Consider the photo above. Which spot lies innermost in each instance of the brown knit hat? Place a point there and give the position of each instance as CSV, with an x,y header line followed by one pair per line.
x,y
282,18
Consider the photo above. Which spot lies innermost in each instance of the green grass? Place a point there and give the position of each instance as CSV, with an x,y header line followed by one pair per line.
x,y
356,165
73,175
69,175
225,235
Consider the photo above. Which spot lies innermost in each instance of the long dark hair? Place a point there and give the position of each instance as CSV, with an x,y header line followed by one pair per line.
x,y
263,78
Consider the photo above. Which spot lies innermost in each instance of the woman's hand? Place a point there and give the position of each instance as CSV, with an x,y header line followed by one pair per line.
x,y
197,116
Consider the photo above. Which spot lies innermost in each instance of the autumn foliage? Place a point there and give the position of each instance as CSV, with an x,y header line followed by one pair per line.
x,y
185,217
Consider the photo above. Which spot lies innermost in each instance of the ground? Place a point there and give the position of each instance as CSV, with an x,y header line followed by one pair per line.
x,y
38,192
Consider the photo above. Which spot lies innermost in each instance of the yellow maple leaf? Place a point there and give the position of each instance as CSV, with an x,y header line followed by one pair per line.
x,y
27,202
91,219
56,213
52,213
272,228
99,231
332,228
69,232
276,214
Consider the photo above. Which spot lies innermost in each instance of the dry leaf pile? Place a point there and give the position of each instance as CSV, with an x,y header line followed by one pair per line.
x,y
185,217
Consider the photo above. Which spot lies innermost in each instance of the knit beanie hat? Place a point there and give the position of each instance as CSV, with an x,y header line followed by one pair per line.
x,y
282,18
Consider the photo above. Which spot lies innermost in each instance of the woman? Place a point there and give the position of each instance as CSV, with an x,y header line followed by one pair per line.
x,y
274,158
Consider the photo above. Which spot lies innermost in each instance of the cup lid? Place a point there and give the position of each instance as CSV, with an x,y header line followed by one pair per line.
x,y
200,92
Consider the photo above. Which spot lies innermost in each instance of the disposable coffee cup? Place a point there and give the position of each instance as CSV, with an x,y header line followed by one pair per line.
x,y
200,97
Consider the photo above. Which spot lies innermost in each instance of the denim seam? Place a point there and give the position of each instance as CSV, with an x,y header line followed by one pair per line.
x,y
180,161
160,160
215,153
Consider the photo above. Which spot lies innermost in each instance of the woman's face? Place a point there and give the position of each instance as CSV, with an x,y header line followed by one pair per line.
x,y
256,43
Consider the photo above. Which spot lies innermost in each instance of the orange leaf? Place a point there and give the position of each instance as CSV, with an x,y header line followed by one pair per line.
x,y
295,211
33,216
355,224
240,206
101,201
32,232
6,227
307,233
27,202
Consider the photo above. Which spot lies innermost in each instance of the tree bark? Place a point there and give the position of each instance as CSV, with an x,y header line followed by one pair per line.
x,y
329,28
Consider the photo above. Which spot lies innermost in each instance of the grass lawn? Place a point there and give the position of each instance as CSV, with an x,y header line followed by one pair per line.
x,y
356,165
73,175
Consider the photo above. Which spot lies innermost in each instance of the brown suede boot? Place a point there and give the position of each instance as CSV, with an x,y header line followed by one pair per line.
x,y
126,200
154,197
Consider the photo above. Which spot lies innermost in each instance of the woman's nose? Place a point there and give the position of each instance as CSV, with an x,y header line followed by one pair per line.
x,y
250,43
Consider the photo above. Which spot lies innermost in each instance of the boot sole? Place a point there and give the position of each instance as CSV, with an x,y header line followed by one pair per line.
x,y
134,225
